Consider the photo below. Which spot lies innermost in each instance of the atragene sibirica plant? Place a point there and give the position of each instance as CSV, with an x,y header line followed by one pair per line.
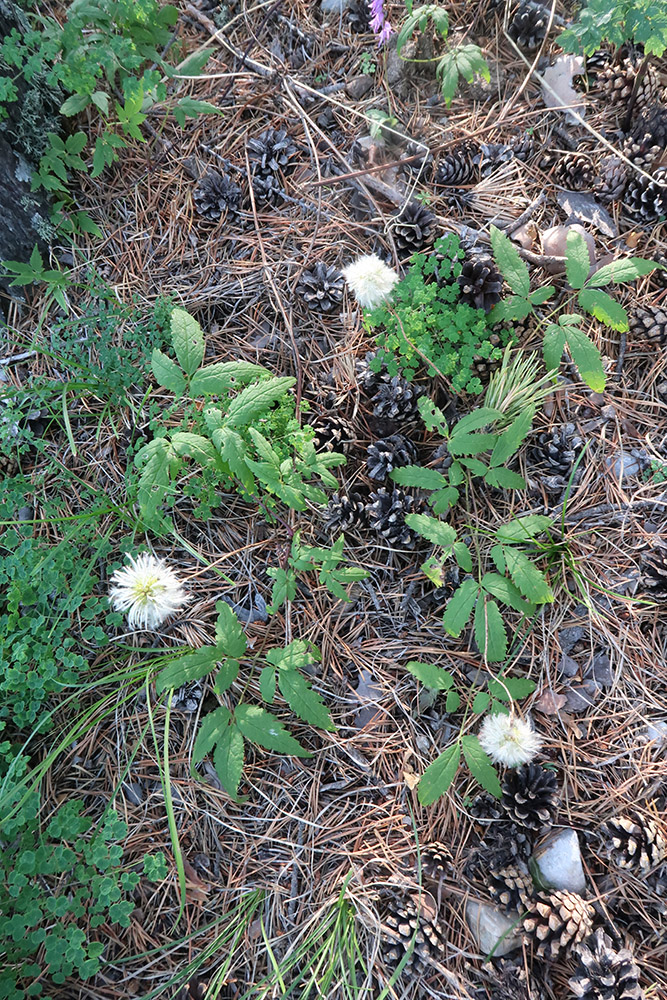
x,y
422,320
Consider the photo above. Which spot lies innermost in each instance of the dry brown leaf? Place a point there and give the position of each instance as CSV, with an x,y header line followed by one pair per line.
x,y
550,703
557,89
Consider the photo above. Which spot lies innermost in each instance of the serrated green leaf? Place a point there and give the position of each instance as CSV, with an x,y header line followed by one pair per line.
x,y
443,500
303,701
431,528
155,480
459,607
506,591
284,588
510,440
523,529
188,340
462,556
167,373
512,268
439,775
433,417
267,683
577,259
194,64
259,726
74,104
430,675
452,701
264,448
233,451
226,675
229,635
471,444
541,295
587,358
480,765
511,688
527,577
510,310
628,269
228,760
415,475
255,400
603,307
475,465
211,728
183,669
457,474
481,417
294,656
490,634
505,479
480,702
197,447
553,346
217,379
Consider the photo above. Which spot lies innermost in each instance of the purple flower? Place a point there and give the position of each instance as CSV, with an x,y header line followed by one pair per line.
x,y
380,27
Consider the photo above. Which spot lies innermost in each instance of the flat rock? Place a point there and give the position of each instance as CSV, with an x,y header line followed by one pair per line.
x,y
358,86
625,465
334,6
558,859
582,697
492,929
585,208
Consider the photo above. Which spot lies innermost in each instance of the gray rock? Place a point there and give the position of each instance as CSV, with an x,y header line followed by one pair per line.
x,y
580,698
601,670
656,732
334,6
133,792
568,666
493,930
569,637
625,465
358,86
558,860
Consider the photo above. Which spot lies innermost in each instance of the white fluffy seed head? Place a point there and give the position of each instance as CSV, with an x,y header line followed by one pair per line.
x,y
370,279
509,740
148,590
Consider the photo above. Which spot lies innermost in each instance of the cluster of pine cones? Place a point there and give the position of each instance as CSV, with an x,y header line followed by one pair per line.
x,y
554,924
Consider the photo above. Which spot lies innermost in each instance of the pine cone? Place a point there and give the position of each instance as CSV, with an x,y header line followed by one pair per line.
x,y
9,465
617,82
344,511
386,514
494,155
507,979
423,166
575,172
460,165
403,925
369,381
216,193
650,127
358,17
558,921
654,568
649,323
611,180
397,400
642,154
414,228
485,808
604,973
322,287
553,456
267,187
332,433
634,842
512,887
597,62
528,26
389,453
529,795
523,147
436,860
480,281
271,152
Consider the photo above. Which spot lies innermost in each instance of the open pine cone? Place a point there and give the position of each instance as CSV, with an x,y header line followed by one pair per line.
x,y
389,453
529,795
344,511
386,514
460,165
405,925
649,323
480,281
603,973
512,887
321,287
634,841
414,228
528,25
556,922
216,193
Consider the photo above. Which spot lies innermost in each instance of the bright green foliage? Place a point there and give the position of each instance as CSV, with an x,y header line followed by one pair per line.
x,y
223,731
567,332
426,324
250,441
642,22
457,60
102,49
57,282
43,587
308,558
478,451
53,882
439,775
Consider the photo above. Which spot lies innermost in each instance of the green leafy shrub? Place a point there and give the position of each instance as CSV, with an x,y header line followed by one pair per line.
x,y
223,731
425,322
43,587
642,22
244,434
312,558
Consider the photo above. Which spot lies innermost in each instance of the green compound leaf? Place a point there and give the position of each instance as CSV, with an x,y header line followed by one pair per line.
x,y
511,688
523,529
553,346
259,726
183,669
303,701
214,380
490,634
228,760
415,475
211,728
480,765
167,373
577,260
587,358
460,607
229,635
439,775
513,269
267,684
255,400
197,447
603,307
510,440
447,73
188,340
432,529
527,577
504,590
505,479
430,675
628,269
462,556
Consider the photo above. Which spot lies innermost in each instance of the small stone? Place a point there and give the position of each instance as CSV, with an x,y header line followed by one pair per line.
x,y
569,637
134,792
568,666
334,6
358,86
601,670
558,858
580,699
656,732
626,465
492,929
